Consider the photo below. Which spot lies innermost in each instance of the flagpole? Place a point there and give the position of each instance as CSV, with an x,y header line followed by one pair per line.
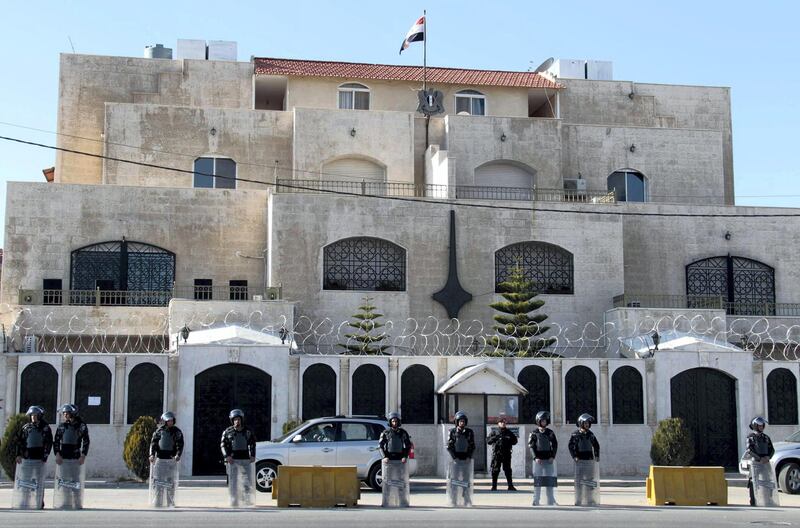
x,y
424,49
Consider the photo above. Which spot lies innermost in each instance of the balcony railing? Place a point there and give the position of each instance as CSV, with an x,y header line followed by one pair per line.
x,y
698,302
137,298
468,192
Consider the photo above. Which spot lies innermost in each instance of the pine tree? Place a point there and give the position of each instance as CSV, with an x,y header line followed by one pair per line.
x,y
517,331
366,342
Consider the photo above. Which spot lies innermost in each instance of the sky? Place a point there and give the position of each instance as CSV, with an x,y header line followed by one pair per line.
x,y
751,48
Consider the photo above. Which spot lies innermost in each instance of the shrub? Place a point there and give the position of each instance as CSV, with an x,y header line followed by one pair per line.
x,y
136,451
8,447
672,444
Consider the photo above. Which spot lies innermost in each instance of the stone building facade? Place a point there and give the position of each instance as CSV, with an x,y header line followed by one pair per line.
x,y
256,204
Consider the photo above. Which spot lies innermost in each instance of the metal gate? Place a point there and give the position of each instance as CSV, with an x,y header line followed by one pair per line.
x,y
706,400
217,391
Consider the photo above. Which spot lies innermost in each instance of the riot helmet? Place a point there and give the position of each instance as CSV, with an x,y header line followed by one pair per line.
x,y
236,412
35,409
460,415
394,416
167,416
543,415
758,420
586,420
69,409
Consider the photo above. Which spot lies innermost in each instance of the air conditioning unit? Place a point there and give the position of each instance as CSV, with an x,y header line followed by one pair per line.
x,y
634,304
28,297
575,184
258,297
29,344
275,293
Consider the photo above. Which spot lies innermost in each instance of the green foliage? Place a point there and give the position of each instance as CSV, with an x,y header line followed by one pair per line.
x,y
672,444
291,424
136,450
518,330
367,339
8,446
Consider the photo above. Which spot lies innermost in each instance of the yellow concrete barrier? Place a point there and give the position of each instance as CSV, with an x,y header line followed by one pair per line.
x,y
687,486
316,486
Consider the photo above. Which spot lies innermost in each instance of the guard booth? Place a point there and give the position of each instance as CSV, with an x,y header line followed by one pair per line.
x,y
484,393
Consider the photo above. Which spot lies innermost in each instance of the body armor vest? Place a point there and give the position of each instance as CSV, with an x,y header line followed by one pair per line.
x,y
70,436
543,443
395,443
239,442
584,444
35,439
165,441
761,445
461,444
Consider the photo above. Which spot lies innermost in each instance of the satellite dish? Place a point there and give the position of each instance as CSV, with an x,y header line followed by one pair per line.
x,y
545,65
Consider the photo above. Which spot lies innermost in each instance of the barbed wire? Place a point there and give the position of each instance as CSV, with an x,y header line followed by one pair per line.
x,y
31,330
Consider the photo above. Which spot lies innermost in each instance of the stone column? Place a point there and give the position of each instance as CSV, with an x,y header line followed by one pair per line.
x,y
172,383
66,379
558,391
508,367
344,386
119,389
394,385
650,387
758,389
293,387
10,404
605,415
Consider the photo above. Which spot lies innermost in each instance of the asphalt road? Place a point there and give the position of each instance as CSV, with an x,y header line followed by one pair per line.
x,y
506,517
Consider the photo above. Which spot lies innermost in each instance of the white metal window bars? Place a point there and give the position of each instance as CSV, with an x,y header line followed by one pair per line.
x,y
471,102
353,96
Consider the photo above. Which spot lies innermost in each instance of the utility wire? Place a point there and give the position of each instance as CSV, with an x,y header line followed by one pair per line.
x,y
322,173
432,201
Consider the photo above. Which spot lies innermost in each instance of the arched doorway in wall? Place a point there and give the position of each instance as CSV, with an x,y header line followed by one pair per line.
x,y
706,401
217,390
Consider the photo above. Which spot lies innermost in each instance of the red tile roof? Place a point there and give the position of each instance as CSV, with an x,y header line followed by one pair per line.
x,y
387,72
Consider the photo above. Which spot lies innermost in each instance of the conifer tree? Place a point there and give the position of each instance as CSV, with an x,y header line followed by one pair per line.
x,y
367,340
517,331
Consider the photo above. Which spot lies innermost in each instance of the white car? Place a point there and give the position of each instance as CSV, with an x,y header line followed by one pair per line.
x,y
335,441
785,462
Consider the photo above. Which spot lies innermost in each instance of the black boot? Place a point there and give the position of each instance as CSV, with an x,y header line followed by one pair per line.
x,y
494,483
510,484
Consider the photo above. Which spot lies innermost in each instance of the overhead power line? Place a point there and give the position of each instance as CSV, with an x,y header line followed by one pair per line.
x,y
448,203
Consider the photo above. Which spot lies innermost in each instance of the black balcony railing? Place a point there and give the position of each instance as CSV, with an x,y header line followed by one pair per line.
x,y
465,192
138,298
696,302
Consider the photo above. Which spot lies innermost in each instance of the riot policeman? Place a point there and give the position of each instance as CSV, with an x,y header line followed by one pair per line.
x,y
461,446
544,445
33,444
761,480
71,445
238,446
585,450
395,446
502,441
166,448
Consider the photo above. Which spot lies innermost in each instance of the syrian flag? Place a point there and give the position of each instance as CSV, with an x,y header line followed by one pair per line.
x,y
415,34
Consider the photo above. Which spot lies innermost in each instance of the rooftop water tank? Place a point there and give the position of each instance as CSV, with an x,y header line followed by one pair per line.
x,y
157,52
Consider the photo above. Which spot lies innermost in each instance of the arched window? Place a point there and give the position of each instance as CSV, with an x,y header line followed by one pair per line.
x,y
548,267
500,180
93,393
353,96
366,264
145,391
628,185
369,391
417,395
358,170
38,385
214,173
746,286
581,393
470,102
782,397
535,379
626,396
319,391
127,273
